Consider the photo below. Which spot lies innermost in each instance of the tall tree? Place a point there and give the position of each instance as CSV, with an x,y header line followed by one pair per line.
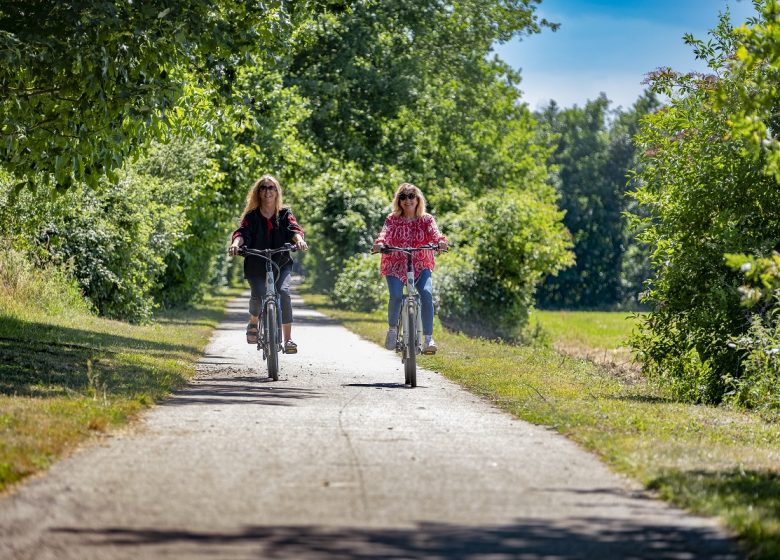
x,y
403,89
591,199
593,155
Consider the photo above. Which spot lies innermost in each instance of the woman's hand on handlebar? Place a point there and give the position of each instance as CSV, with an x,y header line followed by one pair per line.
x,y
301,245
443,246
235,247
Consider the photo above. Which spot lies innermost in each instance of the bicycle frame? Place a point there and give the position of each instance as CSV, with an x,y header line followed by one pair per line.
x,y
269,339
270,298
412,304
410,335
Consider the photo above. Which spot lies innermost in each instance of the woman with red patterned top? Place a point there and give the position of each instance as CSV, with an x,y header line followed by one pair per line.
x,y
267,224
409,225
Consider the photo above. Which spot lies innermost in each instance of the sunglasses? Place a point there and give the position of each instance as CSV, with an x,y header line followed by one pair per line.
x,y
403,197
271,188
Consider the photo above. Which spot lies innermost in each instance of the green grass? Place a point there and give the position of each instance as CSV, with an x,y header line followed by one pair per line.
x,y
592,329
711,460
67,376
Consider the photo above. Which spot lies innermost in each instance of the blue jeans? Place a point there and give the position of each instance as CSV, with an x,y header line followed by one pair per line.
x,y
283,280
424,285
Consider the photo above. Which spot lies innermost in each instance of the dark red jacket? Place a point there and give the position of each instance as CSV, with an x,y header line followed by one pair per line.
x,y
261,233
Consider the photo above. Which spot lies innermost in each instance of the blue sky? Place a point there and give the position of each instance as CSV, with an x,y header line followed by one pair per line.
x,y
609,46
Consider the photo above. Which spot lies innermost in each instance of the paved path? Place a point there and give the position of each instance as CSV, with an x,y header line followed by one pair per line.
x,y
337,460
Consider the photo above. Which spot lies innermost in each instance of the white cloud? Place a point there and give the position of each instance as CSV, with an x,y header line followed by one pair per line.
x,y
569,89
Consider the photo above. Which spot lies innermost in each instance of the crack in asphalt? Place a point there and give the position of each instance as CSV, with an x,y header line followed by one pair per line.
x,y
355,462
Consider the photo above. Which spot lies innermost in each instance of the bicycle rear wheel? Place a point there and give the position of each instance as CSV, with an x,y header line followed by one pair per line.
x,y
410,350
272,340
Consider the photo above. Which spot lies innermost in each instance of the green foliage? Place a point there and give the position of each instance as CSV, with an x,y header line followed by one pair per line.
x,y
193,189
406,85
359,286
505,244
363,68
53,290
705,195
593,155
345,210
83,84
261,134
113,241
756,62
759,385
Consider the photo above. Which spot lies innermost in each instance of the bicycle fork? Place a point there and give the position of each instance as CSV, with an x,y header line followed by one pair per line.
x,y
272,298
413,331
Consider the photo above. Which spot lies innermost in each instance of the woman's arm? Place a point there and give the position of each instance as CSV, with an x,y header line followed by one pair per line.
x,y
295,232
381,238
242,236
436,236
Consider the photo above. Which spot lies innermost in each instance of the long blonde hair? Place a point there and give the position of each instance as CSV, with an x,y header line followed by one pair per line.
x,y
402,188
253,196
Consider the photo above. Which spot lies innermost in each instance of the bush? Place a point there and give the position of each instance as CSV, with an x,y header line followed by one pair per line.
x,y
704,196
341,215
192,184
113,241
153,237
504,244
758,386
359,286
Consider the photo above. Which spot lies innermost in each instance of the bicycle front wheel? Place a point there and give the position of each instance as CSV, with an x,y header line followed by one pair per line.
x,y
272,341
410,362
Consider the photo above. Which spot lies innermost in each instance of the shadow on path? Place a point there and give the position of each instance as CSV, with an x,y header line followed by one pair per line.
x,y
377,385
579,538
239,390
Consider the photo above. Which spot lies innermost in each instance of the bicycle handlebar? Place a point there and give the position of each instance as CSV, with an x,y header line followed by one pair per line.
x,y
265,253
392,249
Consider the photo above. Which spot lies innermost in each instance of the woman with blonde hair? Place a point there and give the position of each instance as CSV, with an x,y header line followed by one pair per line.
x,y
267,224
409,225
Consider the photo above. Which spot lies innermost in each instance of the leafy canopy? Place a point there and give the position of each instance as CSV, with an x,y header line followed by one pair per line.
x,y
82,84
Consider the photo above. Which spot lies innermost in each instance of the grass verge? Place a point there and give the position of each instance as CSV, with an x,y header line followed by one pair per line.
x,y
597,336
67,377
710,460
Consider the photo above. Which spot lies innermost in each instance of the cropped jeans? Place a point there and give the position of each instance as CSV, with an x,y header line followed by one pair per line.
x,y
424,285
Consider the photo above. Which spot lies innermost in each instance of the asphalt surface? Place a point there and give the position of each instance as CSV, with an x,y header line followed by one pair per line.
x,y
338,459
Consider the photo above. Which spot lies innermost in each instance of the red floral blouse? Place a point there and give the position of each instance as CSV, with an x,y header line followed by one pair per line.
x,y
400,232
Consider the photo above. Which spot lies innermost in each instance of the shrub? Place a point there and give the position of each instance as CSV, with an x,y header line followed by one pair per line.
x,y
113,241
704,196
758,386
505,243
343,212
359,286
192,184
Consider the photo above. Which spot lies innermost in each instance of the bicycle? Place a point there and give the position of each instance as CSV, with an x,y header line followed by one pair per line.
x,y
409,340
269,339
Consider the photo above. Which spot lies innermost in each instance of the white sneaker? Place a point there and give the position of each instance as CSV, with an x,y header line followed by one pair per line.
x,y
429,347
391,338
